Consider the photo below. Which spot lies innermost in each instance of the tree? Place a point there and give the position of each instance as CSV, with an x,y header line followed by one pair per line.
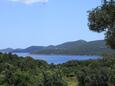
x,y
102,19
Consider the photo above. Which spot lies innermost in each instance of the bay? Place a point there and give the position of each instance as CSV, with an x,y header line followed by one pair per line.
x,y
58,59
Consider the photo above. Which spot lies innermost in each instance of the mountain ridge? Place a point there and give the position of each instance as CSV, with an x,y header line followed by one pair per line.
x,y
79,47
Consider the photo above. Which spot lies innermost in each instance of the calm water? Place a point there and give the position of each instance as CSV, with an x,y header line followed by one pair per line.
x,y
58,59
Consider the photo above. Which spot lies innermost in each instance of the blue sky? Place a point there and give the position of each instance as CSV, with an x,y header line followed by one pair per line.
x,y
24,24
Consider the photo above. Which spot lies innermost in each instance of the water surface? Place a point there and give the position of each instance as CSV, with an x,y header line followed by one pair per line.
x,y
58,59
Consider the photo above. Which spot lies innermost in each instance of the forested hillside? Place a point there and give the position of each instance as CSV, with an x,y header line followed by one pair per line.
x,y
20,71
79,47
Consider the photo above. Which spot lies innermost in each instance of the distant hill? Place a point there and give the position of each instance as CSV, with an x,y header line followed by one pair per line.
x,y
26,50
79,47
6,50
29,49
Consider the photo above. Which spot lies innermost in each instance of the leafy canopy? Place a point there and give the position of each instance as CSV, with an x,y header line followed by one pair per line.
x,y
102,18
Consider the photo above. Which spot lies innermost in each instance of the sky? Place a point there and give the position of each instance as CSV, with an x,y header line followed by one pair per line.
x,y
26,23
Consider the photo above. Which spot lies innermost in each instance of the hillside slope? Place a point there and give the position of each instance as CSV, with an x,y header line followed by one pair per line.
x,y
80,47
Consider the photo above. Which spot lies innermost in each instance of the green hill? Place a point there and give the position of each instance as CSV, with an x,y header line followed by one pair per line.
x,y
80,47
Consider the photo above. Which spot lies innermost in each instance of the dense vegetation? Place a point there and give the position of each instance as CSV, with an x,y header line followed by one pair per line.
x,y
20,71
79,47
25,71
94,73
102,19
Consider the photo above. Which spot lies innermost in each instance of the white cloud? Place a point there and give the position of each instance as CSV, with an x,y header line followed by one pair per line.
x,y
30,1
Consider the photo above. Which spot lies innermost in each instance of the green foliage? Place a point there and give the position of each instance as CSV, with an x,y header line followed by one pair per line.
x,y
102,19
78,48
99,73
92,72
19,71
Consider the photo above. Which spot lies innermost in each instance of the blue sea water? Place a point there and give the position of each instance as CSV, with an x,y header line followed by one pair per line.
x,y
58,59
